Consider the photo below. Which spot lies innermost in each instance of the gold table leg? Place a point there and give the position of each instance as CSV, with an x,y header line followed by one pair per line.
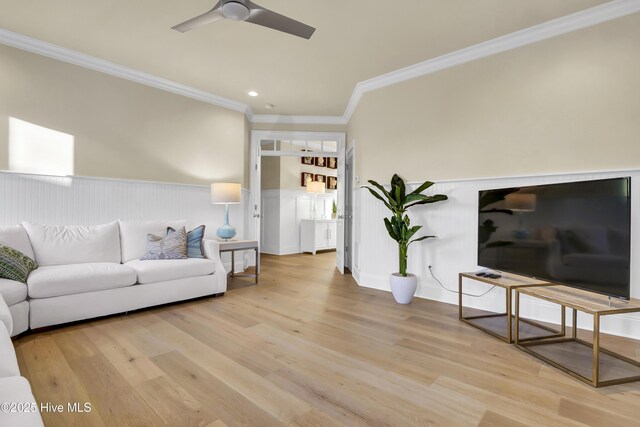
x,y
517,328
460,296
596,350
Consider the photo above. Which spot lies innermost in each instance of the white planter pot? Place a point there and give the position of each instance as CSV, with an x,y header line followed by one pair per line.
x,y
403,288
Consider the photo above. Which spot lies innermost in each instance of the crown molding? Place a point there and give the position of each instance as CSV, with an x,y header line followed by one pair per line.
x,y
566,24
49,50
299,120
556,27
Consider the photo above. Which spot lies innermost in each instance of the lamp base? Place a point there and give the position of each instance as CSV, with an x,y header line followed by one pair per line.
x,y
226,232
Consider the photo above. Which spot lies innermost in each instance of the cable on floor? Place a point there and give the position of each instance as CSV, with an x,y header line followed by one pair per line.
x,y
455,292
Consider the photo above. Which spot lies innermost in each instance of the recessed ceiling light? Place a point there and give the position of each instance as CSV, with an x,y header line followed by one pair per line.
x,y
253,93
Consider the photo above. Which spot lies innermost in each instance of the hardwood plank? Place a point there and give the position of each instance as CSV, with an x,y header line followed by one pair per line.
x,y
174,405
278,403
54,381
232,407
491,419
114,399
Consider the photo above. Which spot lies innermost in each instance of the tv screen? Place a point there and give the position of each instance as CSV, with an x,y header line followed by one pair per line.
x,y
576,233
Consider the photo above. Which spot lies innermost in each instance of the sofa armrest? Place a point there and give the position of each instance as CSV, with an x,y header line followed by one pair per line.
x,y
5,316
212,252
211,248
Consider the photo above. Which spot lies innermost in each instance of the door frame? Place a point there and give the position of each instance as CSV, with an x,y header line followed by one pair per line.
x,y
350,151
255,164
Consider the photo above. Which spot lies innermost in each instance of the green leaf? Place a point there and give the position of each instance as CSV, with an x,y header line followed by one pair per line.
x,y
389,197
430,199
423,187
379,197
390,229
398,187
413,230
414,197
419,239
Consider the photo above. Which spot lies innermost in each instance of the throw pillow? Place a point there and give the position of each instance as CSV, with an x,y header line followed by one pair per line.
x,y
172,246
14,265
194,241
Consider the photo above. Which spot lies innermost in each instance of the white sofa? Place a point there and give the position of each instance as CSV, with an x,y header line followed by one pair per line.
x,y
87,272
92,271
15,390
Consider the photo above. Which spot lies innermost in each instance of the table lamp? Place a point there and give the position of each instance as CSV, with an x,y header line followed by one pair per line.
x,y
226,193
315,187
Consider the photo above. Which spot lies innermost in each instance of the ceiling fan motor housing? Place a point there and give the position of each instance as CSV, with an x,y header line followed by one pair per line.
x,y
235,10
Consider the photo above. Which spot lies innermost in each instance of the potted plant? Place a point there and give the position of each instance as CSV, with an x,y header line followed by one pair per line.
x,y
403,284
334,210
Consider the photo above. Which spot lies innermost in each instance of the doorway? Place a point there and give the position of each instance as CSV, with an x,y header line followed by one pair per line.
x,y
298,193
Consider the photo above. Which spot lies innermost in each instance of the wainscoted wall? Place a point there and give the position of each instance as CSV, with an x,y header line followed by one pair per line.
x,y
455,224
87,201
282,211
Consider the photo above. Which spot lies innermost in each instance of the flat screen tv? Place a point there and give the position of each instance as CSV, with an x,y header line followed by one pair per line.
x,y
575,233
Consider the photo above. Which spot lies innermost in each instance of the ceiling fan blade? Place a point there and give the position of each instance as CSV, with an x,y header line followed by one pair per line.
x,y
270,19
213,15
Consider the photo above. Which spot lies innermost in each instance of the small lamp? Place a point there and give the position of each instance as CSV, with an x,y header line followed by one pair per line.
x,y
226,193
315,187
520,202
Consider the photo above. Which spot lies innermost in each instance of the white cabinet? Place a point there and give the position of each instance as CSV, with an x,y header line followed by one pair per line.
x,y
318,234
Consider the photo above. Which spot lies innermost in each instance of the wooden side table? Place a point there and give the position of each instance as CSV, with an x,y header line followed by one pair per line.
x,y
241,245
501,325
586,361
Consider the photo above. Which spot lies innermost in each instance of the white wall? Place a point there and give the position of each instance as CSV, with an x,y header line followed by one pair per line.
x,y
282,211
87,201
122,129
567,104
455,223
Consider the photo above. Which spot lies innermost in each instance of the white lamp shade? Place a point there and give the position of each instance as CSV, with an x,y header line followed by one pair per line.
x,y
225,192
315,187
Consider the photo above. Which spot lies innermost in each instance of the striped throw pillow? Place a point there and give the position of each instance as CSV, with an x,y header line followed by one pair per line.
x,y
14,265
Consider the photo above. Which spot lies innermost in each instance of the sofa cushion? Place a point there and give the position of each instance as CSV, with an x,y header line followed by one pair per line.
x,y
16,237
133,236
14,265
12,292
8,362
152,271
171,246
57,280
17,390
71,244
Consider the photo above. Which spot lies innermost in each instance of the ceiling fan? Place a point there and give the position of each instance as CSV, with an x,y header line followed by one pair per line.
x,y
246,10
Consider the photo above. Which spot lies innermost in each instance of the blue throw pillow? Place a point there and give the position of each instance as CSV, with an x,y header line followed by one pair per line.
x,y
194,241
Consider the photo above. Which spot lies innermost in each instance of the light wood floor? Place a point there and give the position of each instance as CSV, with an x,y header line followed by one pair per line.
x,y
306,347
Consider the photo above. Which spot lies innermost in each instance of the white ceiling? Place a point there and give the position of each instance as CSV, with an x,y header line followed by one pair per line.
x,y
355,40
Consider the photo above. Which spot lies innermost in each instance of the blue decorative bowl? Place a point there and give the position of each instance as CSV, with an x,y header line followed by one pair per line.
x,y
226,232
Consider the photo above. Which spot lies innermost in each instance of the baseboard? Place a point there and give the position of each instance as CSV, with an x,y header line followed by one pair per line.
x,y
280,253
626,325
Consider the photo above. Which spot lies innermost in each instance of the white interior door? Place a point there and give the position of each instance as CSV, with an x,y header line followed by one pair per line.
x,y
340,202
